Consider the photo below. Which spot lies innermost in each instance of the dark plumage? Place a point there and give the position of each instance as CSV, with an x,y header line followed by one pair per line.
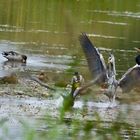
x,y
106,74
14,56
138,59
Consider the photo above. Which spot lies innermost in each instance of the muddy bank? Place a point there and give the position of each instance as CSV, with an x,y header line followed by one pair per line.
x,y
27,104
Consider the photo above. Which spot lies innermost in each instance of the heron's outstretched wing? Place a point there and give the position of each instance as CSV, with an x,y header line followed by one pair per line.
x,y
95,60
84,87
131,79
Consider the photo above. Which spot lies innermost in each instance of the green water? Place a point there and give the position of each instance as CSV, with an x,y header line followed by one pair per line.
x,y
113,24
54,26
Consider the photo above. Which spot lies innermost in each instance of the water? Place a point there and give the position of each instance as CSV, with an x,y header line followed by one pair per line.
x,y
30,113
47,32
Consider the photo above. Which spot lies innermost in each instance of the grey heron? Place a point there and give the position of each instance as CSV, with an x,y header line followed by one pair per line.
x,y
106,74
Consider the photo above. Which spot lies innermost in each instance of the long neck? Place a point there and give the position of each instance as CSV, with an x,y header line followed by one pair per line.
x,y
111,67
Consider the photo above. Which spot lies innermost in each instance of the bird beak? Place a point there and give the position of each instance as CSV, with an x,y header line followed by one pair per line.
x,y
137,49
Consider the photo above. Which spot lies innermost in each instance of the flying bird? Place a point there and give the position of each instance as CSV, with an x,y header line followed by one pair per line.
x,y
105,74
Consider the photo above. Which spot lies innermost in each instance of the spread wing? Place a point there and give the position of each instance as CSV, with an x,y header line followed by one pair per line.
x,y
131,79
94,58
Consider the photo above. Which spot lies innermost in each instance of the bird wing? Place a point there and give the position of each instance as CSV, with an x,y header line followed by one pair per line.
x,y
84,87
95,60
131,79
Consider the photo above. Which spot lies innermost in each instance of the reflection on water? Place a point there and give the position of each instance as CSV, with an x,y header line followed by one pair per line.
x,y
92,105
47,32
117,13
35,110
107,37
35,61
10,65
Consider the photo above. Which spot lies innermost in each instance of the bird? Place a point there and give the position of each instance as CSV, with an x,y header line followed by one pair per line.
x,y
14,56
69,100
42,76
8,77
103,74
131,79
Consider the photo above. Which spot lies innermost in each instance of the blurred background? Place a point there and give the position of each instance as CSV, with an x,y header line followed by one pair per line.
x,y
47,31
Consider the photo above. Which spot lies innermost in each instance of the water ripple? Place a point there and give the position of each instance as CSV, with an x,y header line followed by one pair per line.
x,y
104,22
106,36
126,14
117,13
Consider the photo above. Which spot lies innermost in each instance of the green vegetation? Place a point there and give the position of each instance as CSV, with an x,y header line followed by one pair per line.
x,y
68,128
